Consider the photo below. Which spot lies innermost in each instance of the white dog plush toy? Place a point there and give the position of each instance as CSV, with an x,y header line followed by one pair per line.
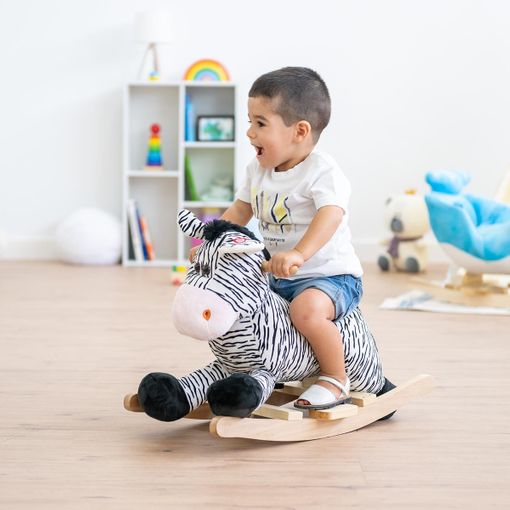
x,y
407,218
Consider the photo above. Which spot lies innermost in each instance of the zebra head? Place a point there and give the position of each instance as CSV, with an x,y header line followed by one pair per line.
x,y
224,282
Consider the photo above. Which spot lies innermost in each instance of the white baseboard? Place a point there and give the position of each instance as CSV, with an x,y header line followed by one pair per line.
x,y
27,247
43,248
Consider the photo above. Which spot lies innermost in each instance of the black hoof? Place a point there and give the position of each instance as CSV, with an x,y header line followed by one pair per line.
x,y
388,385
383,263
162,397
237,395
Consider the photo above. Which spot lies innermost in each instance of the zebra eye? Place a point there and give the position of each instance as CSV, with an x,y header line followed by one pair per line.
x,y
196,267
206,270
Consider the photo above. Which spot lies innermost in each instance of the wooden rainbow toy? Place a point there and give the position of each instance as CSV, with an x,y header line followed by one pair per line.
x,y
206,70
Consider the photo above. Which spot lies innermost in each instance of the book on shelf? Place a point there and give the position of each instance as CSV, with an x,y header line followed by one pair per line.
x,y
140,230
189,120
134,230
191,192
139,233
149,249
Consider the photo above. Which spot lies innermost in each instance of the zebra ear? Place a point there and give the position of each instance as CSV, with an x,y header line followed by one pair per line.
x,y
240,244
190,224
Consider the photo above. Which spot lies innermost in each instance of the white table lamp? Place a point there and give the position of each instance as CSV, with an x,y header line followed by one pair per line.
x,y
152,27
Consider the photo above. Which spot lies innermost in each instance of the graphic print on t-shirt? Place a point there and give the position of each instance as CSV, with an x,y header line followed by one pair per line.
x,y
274,216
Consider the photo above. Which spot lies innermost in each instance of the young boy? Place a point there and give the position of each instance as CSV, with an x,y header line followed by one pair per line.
x,y
300,198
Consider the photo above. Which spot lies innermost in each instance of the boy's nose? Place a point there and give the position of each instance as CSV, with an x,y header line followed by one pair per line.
x,y
249,133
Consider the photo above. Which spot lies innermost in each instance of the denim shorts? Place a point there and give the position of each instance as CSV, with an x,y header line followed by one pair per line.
x,y
344,290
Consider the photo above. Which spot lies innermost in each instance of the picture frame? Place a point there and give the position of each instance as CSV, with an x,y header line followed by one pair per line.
x,y
215,128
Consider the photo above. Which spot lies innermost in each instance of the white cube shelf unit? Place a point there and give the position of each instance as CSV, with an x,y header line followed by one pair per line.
x,y
160,194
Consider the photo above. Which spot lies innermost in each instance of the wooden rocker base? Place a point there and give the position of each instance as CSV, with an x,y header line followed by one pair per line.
x,y
470,289
282,423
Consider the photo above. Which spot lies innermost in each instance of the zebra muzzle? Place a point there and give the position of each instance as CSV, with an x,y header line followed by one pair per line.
x,y
201,314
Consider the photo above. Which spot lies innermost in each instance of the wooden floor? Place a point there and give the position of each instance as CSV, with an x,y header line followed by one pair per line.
x,y
74,340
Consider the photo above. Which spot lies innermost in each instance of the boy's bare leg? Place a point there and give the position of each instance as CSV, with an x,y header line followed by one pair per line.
x,y
312,313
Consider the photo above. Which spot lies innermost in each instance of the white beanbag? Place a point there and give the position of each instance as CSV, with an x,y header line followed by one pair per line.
x,y
89,236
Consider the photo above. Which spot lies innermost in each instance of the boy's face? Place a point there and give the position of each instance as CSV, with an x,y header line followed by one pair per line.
x,y
274,142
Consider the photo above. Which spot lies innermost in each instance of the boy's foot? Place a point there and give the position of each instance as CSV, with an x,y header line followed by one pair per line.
x,y
325,393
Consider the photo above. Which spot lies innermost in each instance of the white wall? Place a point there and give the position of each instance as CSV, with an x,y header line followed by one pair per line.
x,y
415,86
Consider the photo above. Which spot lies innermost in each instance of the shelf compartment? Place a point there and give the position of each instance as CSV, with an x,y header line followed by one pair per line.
x,y
147,106
206,101
158,203
210,167
223,102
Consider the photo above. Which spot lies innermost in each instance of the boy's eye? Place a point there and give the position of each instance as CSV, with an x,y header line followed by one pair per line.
x,y
260,124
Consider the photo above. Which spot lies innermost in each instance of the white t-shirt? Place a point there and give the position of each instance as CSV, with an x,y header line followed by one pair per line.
x,y
286,202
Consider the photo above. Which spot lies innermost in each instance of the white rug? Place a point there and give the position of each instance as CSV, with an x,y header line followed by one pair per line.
x,y
422,301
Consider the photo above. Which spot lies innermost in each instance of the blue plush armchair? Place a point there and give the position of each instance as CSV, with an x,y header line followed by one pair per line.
x,y
473,231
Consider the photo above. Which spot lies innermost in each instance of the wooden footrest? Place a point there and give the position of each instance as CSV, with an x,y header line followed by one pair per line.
x,y
362,398
335,413
296,388
278,412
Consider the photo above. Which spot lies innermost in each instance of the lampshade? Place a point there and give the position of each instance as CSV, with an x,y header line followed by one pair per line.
x,y
153,27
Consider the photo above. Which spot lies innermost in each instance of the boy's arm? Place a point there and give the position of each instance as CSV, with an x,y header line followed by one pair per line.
x,y
321,229
239,212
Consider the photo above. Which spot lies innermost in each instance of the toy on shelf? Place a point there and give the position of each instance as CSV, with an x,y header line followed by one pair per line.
x,y
474,233
208,214
226,300
178,274
406,216
221,189
154,159
206,70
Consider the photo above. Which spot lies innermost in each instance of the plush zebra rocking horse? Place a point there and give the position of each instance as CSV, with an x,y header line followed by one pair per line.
x,y
227,301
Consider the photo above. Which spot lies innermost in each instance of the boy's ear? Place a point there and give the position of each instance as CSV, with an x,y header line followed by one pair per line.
x,y
303,129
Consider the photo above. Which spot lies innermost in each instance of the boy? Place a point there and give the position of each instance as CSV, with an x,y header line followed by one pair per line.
x,y
300,197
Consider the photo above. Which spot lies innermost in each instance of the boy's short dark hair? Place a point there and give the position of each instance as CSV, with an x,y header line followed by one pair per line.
x,y
300,94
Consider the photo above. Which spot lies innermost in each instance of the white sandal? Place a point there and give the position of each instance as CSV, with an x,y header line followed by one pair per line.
x,y
322,398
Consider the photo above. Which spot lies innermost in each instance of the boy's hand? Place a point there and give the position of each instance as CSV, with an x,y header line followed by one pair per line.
x,y
192,253
282,263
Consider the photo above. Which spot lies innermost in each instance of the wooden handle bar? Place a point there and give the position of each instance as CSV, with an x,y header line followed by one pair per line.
x,y
293,269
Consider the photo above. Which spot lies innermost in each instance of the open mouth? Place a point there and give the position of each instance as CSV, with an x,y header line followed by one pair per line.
x,y
259,150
